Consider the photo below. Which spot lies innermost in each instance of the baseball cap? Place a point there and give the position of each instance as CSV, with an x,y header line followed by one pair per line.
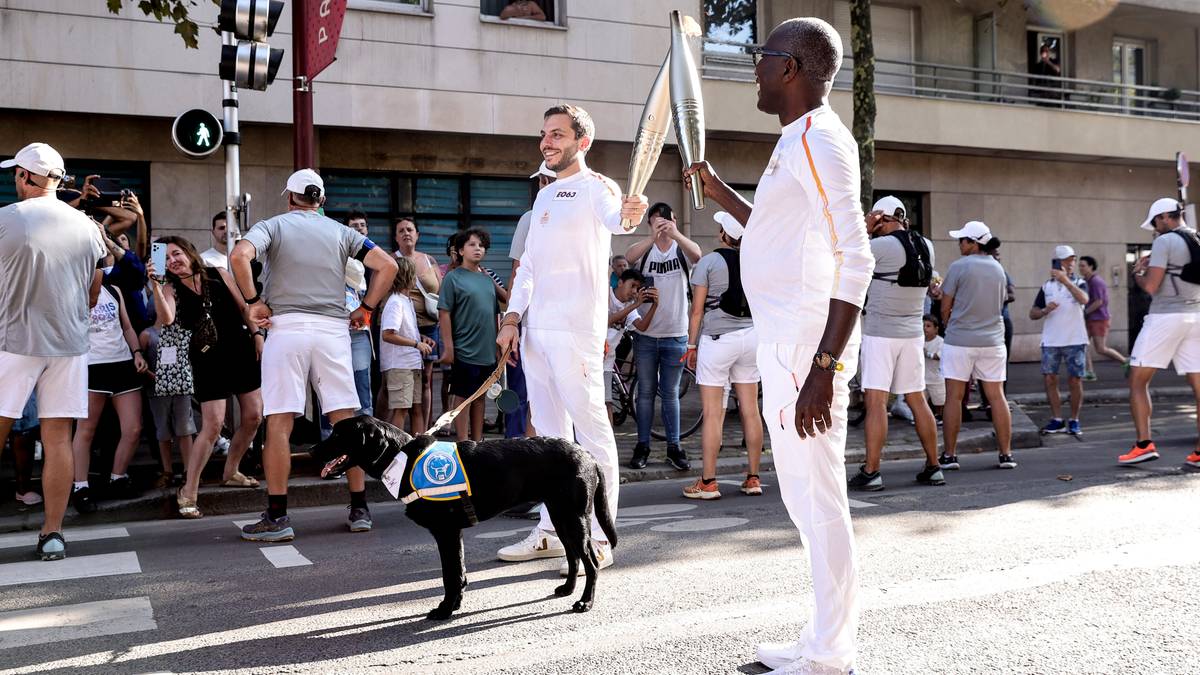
x,y
299,182
1063,252
543,170
973,230
729,224
1159,207
356,275
889,206
38,158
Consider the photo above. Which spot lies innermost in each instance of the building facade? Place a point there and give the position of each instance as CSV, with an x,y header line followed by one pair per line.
x,y
433,107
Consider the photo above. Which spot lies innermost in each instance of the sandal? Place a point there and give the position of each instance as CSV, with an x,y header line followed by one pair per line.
x,y
187,507
240,480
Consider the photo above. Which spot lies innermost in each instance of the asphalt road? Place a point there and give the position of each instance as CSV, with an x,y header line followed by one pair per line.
x,y
999,571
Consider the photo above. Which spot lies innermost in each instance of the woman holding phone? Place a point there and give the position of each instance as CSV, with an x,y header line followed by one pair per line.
x,y
225,362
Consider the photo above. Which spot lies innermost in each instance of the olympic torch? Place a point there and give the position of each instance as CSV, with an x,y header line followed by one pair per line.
x,y
687,105
651,134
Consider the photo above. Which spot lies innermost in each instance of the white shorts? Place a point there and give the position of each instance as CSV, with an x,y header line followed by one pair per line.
x,y
731,358
304,349
936,391
895,365
61,383
986,364
1168,337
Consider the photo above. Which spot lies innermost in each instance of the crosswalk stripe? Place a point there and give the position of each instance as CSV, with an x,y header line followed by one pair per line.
x,y
239,524
855,504
81,567
57,623
29,539
284,556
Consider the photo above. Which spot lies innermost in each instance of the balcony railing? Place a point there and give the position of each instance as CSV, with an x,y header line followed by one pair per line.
x,y
938,80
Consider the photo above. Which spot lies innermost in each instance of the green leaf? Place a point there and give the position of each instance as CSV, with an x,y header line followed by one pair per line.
x,y
176,11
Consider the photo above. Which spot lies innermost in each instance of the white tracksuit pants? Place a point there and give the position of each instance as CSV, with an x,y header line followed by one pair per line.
x,y
812,484
564,375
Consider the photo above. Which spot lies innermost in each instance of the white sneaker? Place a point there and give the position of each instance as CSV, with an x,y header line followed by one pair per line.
x,y
804,666
603,554
777,654
539,544
221,446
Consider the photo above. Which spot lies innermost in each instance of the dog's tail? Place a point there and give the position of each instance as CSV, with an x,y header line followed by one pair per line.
x,y
600,504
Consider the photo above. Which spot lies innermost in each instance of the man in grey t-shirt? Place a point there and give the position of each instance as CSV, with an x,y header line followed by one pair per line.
x,y
1171,331
304,304
972,300
893,342
48,280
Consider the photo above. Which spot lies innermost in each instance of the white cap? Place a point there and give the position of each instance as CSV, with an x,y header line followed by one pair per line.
x,y
300,180
889,205
543,170
1159,207
38,158
356,275
1063,252
973,230
729,224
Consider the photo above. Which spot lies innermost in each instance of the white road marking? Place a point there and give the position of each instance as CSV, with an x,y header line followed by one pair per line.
x,y
643,521
700,525
239,524
653,510
284,556
736,483
504,534
23,539
82,567
58,623
855,504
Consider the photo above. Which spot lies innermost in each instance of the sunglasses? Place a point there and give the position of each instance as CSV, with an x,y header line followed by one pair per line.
x,y
757,54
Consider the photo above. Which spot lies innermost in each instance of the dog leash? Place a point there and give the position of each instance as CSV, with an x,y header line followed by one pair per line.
x,y
448,417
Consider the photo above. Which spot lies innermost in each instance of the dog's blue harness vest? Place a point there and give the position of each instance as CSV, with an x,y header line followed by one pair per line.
x,y
438,475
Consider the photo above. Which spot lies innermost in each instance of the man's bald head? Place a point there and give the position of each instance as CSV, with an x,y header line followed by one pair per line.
x,y
816,46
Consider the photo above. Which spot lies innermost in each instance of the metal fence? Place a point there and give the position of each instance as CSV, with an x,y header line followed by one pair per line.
x,y
729,60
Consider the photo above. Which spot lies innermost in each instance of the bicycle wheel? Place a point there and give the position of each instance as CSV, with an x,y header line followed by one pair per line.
x,y
690,412
620,401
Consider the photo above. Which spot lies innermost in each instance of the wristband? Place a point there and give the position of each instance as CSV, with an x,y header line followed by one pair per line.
x,y
262,332
691,348
138,351
367,307
256,298
515,322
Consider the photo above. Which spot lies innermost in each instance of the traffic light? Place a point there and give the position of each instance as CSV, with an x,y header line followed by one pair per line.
x,y
250,63
197,133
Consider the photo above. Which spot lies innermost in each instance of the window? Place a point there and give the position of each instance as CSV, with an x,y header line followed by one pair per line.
x,y
914,206
1129,67
441,205
1045,51
521,10
413,6
730,21
122,175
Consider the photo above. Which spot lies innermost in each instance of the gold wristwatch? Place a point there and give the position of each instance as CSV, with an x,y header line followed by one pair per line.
x,y
826,361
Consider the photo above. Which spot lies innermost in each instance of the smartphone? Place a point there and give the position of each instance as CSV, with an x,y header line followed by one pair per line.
x,y
158,256
1056,264
648,283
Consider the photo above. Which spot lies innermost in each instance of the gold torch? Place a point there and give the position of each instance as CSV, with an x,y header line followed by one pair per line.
x,y
651,134
687,105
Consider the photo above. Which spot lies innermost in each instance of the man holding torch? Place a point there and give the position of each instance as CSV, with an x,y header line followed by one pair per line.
x,y
561,293
806,265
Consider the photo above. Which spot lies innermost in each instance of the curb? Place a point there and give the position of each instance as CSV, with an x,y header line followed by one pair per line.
x,y
1108,395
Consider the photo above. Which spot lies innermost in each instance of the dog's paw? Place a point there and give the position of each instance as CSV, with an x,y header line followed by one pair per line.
x,y
564,590
439,613
581,606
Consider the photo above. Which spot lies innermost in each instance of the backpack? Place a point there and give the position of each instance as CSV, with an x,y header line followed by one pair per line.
x,y
683,264
733,300
1191,271
917,271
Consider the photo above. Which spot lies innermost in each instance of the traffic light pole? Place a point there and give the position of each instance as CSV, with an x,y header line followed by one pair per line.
x,y
233,146
302,102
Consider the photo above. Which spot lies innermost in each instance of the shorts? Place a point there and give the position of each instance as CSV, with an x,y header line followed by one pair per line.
x,y
29,417
608,386
303,350
466,378
936,391
727,358
172,416
1165,338
60,383
113,379
434,334
895,365
1074,355
987,364
1098,328
404,387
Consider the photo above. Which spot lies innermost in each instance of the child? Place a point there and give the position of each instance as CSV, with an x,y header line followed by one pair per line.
x,y
402,349
23,440
935,386
624,299
468,306
168,348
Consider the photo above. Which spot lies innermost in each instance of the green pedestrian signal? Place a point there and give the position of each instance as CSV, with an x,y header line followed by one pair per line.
x,y
197,133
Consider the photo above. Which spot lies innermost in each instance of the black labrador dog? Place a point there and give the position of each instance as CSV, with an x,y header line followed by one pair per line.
x,y
502,473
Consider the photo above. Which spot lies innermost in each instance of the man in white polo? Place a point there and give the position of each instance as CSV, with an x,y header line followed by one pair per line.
x,y
893,343
303,303
48,282
1060,302
1171,331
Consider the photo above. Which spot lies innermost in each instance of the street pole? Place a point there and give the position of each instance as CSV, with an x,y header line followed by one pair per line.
x,y
302,102
233,176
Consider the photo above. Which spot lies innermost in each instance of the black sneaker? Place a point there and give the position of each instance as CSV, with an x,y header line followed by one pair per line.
x,y
360,520
677,458
865,481
83,501
1007,462
641,453
51,546
931,475
121,488
948,462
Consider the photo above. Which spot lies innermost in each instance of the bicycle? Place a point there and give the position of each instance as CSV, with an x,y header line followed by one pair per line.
x,y
624,389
